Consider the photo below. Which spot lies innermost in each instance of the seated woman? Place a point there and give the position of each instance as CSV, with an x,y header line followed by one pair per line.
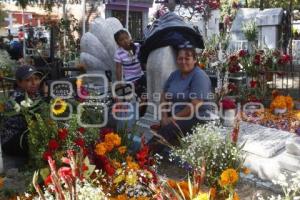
x,y
184,93
13,139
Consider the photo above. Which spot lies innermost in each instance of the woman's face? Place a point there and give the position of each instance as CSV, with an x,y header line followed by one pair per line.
x,y
31,84
185,60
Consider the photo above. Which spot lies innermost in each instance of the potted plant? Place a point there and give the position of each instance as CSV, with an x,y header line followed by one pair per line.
x,y
250,31
228,108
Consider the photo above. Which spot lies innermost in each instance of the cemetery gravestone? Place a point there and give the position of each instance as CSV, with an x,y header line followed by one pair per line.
x,y
268,22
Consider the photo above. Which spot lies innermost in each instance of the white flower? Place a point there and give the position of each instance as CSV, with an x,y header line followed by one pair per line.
x,y
17,107
27,103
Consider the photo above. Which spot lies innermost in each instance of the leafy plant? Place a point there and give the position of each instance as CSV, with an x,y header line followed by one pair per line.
x,y
250,31
208,145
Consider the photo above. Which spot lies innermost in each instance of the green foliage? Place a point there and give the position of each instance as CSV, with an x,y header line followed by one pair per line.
x,y
3,14
250,31
273,4
207,145
7,65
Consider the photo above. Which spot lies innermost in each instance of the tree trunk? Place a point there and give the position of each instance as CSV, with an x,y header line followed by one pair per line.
x,y
261,4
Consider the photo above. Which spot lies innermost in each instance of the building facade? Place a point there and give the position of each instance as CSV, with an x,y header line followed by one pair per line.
x,y
138,14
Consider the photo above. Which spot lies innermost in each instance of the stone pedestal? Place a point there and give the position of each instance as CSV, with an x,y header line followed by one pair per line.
x,y
161,63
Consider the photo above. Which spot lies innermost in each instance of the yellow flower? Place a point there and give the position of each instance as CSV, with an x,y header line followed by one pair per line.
x,y
203,196
229,177
236,196
100,149
131,178
122,149
59,106
119,179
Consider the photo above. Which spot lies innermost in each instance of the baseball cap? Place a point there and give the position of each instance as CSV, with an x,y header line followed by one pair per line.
x,y
25,72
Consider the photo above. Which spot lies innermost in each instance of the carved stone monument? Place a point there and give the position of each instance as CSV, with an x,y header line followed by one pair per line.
x,y
98,45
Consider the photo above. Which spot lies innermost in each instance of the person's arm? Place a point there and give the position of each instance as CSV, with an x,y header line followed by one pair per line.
x,y
118,71
165,119
189,110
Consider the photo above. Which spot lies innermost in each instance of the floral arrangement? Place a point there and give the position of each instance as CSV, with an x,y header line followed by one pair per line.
x,y
227,104
206,148
282,102
250,31
289,184
128,176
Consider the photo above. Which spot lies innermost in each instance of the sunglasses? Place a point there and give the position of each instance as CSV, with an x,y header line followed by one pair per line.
x,y
186,45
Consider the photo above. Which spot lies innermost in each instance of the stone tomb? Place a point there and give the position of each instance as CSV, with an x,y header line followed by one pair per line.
x,y
269,151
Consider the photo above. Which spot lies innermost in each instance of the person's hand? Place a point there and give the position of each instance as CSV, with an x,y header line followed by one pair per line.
x,y
166,120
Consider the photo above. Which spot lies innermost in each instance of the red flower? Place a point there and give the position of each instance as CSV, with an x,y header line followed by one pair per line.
x,y
63,133
232,87
79,142
233,58
85,151
48,180
65,172
109,169
242,53
228,104
284,59
257,59
81,130
46,155
253,84
53,144
235,134
105,131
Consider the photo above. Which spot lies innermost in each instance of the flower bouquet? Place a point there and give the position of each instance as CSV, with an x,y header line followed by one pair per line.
x,y
228,107
207,150
281,104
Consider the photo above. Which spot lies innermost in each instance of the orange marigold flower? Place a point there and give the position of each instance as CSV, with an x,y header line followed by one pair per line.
x,y
172,183
289,102
128,159
1,182
121,197
246,170
122,149
133,165
229,177
116,164
236,196
113,138
212,193
100,149
2,107
109,146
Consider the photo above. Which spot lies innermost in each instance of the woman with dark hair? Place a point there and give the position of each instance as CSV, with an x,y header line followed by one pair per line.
x,y
182,99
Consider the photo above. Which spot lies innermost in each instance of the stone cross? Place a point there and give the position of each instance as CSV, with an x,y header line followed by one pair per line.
x,y
10,21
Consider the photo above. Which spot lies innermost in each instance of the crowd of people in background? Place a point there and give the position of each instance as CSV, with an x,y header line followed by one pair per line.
x,y
13,44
